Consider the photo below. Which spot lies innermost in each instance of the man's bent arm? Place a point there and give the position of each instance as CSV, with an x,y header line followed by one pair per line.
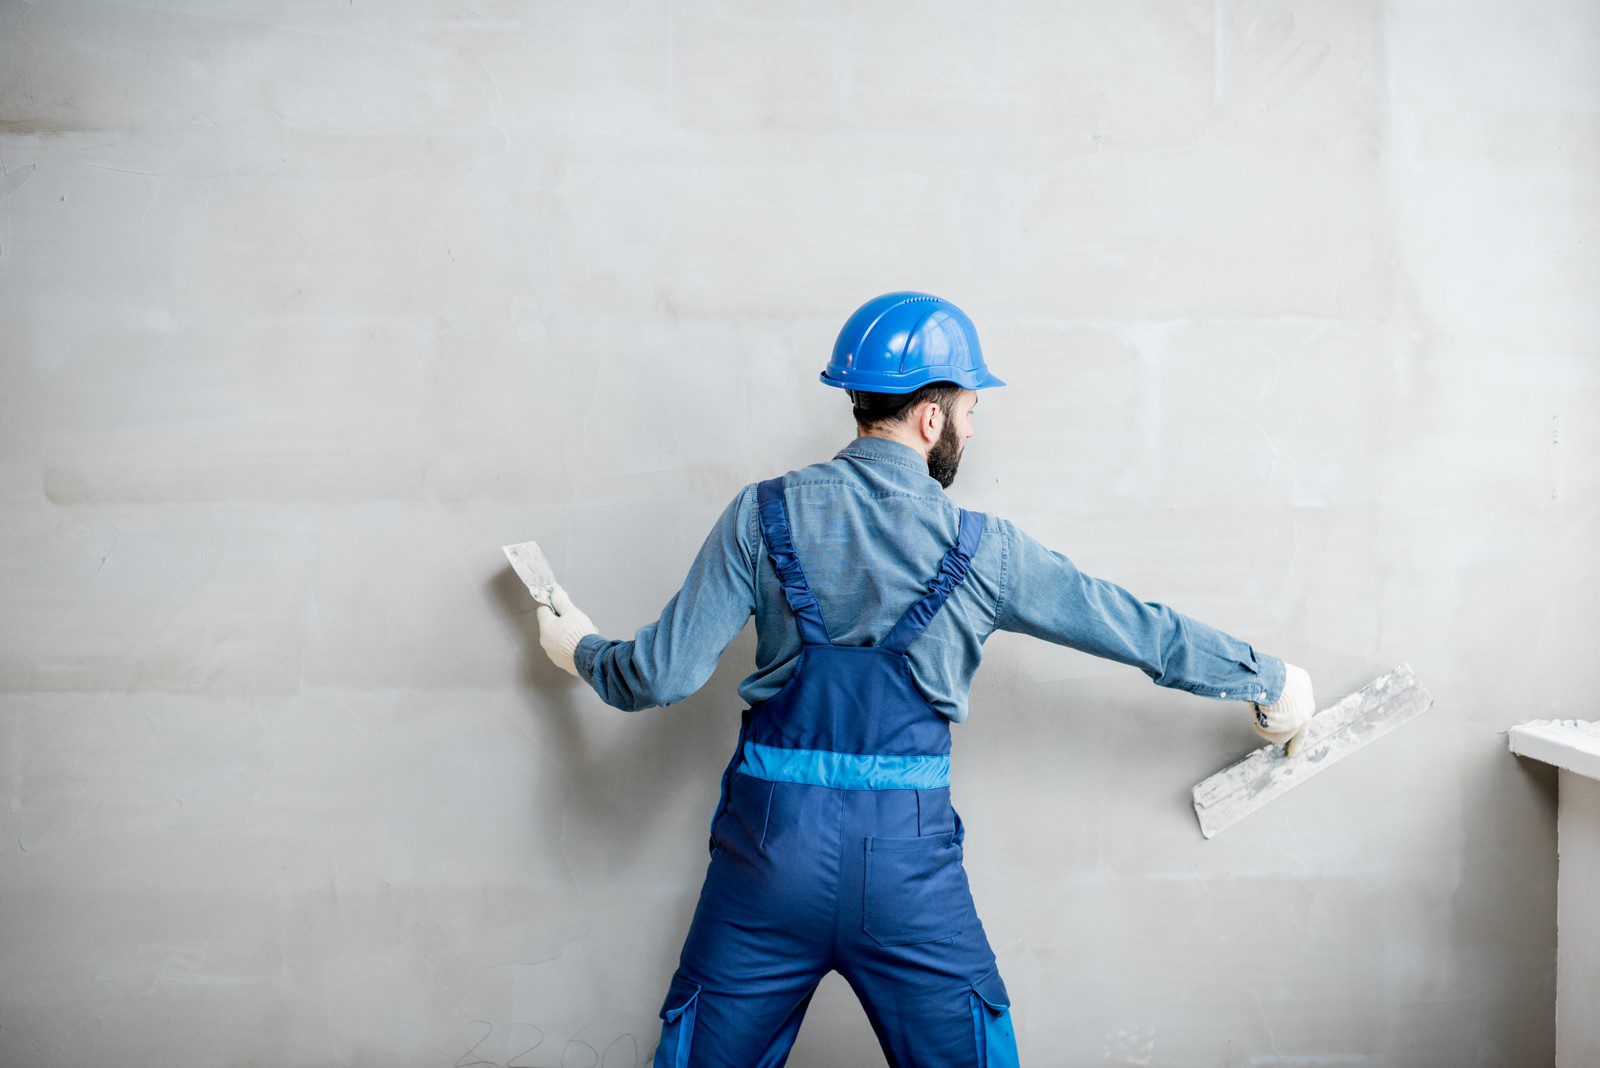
x,y
1046,596
673,657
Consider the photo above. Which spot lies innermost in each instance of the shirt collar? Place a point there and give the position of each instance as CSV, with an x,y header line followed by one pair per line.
x,y
888,451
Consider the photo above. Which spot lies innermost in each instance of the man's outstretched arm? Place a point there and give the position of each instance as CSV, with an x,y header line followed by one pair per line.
x,y
670,659
1046,596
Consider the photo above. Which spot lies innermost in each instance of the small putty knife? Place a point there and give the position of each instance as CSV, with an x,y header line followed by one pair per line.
x,y
534,570
1364,716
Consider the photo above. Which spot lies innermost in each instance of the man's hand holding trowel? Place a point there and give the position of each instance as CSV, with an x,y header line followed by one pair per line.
x,y
561,624
559,634
1285,721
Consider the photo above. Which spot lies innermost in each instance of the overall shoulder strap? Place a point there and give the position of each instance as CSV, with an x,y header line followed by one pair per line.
x,y
775,532
952,569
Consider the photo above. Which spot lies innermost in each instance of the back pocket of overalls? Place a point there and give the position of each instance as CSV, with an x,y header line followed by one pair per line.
x,y
677,1028
742,827
915,890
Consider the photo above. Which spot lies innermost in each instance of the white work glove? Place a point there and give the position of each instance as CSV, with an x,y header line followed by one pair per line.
x,y
559,634
1286,720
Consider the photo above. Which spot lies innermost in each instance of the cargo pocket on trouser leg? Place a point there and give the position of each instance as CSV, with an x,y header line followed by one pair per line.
x,y
677,1031
991,1023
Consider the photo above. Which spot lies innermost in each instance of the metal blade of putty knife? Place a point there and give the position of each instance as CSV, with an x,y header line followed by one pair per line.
x,y
1364,716
533,569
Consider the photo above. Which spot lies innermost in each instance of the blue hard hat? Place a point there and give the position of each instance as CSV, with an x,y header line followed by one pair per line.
x,y
900,342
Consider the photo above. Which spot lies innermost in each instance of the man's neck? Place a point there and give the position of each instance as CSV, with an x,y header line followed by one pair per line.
x,y
901,438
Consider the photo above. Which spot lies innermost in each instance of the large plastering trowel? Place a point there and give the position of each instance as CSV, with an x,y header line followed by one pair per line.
x,y
534,570
1368,714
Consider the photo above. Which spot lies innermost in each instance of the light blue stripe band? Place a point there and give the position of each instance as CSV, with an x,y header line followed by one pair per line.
x,y
846,771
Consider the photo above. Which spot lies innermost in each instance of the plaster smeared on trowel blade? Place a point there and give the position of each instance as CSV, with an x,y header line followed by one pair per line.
x,y
1368,714
533,569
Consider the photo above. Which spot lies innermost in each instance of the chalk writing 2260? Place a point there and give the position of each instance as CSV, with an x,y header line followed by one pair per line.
x,y
620,1052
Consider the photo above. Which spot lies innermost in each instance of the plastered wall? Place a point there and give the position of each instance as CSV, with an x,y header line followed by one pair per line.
x,y
308,308
1578,938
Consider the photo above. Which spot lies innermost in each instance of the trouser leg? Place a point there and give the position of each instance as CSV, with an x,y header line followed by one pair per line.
x,y
705,1028
913,949
759,942
933,1008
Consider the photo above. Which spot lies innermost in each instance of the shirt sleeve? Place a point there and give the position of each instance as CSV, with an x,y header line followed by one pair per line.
x,y
1043,594
671,658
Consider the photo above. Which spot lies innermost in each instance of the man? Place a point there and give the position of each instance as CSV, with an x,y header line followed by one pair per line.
x,y
834,845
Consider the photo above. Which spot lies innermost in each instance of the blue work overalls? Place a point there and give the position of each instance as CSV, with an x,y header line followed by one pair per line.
x,y
834,847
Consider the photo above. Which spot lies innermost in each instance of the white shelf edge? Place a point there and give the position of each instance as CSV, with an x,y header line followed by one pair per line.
x,y
1573,744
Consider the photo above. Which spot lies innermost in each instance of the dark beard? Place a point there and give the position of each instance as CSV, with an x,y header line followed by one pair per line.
x,y
945,456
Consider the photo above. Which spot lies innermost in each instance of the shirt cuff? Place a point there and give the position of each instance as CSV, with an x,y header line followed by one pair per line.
x,y
583,655
1271,674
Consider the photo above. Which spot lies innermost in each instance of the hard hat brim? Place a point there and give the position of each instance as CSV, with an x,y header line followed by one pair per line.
x,y
881,382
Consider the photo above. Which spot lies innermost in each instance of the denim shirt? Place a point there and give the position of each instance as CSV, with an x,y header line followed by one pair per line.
x,y
870,527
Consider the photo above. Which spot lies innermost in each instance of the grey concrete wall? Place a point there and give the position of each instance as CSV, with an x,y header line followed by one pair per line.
x,y
306,309
1578,936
